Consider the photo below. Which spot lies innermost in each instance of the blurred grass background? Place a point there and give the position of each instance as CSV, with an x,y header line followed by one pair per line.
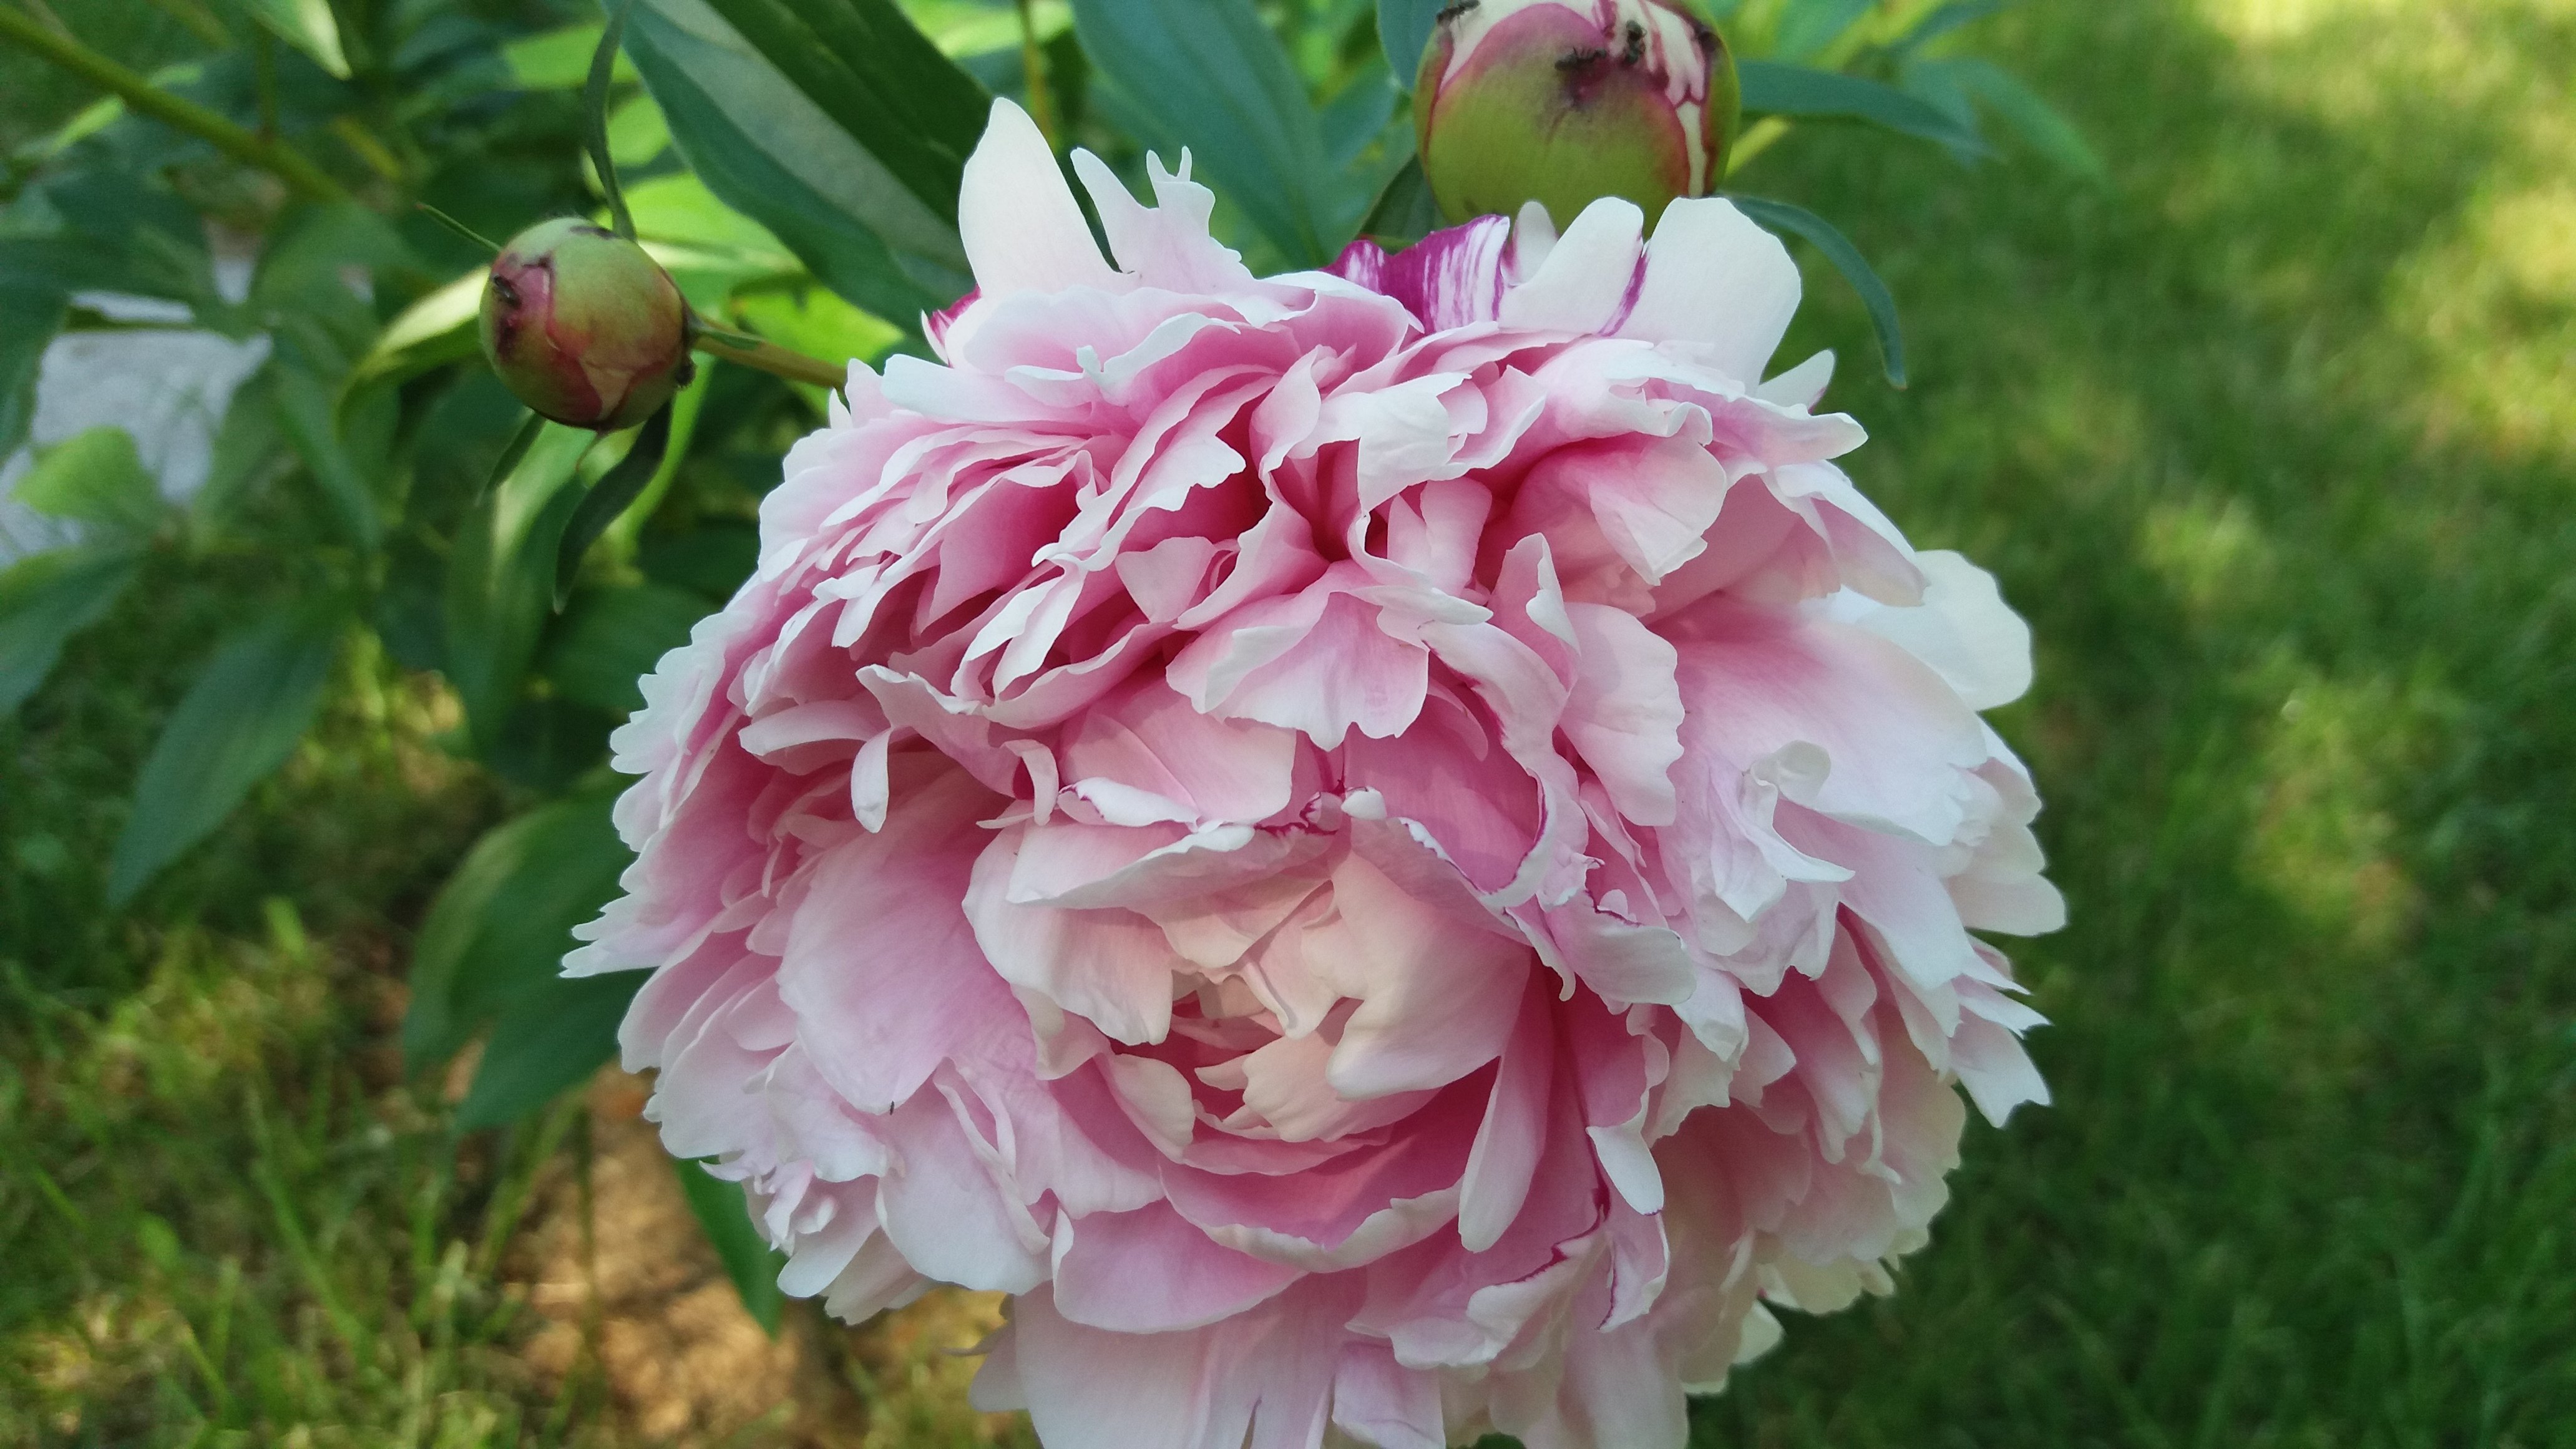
x,y
2274,441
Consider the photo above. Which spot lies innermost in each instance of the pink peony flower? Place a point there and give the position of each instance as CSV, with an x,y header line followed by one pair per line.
x,y
1391,850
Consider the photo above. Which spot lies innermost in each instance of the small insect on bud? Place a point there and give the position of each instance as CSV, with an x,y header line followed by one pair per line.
x,y
1563,102
585,327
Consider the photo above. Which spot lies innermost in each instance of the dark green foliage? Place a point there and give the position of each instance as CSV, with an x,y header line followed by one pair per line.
x,y
1774,89
234,726
1837,249
748,1259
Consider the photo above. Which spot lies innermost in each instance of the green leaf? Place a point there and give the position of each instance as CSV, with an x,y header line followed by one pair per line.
x,y
1404,212
679,208
817,323
1781,216
711,559
1941,20
522,438
557,60
867,213
1358,115
309,26
2021,108
45,599
95,478
594,105
1209,75
31,312
611,496
432,332
549,1039
308,415
236,724
501,577
1808,26
1771,88
748,1259
250,452
498,929
316,246
880,79
1403,31
610,638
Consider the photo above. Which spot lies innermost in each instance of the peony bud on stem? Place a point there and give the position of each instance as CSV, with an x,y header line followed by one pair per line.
x,y
769,357
584,327
587,329
1564,102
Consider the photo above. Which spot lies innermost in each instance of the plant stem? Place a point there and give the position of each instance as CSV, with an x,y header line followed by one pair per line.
x,y
144,98
769,357
199,20
1033,72
1757,138
263,62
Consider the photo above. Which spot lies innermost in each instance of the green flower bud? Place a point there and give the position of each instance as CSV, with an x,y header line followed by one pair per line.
x,y
585,327
1564,102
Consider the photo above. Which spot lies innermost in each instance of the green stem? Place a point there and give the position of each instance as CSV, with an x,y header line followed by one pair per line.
x,y
198,19
1033,74
144,98
769,357
263,63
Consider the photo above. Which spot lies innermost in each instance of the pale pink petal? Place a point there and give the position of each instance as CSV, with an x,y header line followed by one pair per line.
x,y
1022,229
1713,277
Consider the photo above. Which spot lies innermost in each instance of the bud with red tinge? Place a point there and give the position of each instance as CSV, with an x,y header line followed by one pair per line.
x,y
585,327
1563,102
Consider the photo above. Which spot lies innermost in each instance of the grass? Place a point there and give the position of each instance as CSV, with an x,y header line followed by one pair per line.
x,y
2273,439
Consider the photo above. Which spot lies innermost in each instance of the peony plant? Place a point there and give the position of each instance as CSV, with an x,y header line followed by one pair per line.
x,y
1391,849
1371,828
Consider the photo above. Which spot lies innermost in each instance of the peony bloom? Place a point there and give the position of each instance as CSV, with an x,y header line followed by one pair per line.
x,y
1392,850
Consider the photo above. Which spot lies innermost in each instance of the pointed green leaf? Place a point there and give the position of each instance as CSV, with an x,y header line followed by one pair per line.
x,y
1940,20
557,60
236,725
748,1259
880,79
1781,216
500,926
594,105
611,496
31,312
501,577
1209,75
545,1042
308,415
309,26
873,214
610,638
1403,30
1808,26
97,479
1773,89
1405,212
2021,108
45,599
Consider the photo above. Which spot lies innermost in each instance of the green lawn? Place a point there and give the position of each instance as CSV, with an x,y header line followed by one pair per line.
x,y
2274,441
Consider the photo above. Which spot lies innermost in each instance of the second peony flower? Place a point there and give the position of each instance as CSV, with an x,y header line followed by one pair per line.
x,y
1392,850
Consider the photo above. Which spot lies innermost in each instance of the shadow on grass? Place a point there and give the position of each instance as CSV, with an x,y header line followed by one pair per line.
x,y
2306,722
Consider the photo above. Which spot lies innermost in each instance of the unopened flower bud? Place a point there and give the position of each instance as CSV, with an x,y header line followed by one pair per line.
x,y
1564,102
585,327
